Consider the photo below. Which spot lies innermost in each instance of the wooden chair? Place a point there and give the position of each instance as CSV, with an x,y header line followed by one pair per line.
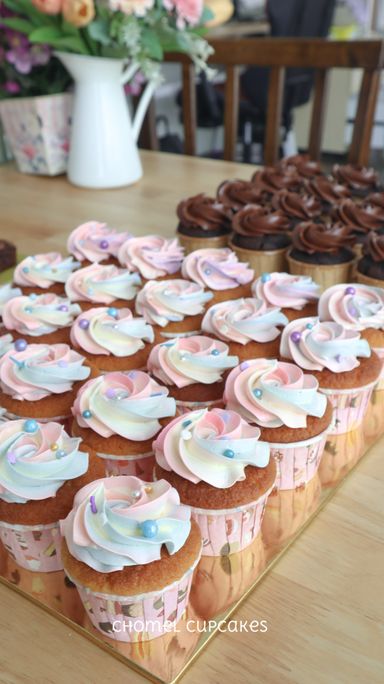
x,y
278,54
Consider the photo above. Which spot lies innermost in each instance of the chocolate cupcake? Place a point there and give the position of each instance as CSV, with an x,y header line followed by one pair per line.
x,y
360,180
327,190
203,222
297,207
304,166
235,194
370,268
362,218
271,179
261,238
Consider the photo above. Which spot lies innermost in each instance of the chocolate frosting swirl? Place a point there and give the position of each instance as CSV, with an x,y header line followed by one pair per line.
x,y
376,199
303,164
302,207
317,237
203,216
373,247
361,218
257,228
327,190
355,176
271,179
237,193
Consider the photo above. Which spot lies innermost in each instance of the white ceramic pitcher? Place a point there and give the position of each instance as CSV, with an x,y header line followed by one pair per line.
x,y
103,151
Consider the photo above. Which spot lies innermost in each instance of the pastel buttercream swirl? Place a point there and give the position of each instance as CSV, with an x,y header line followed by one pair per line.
x,y
273,393
94,241
8,292
118,522
126,404
41,370
102,284
165,301
34,464
216,269
106,330
184,361
6,344
152,256
243,321
42,270
38,315
213,446
285,290
355,307
315,345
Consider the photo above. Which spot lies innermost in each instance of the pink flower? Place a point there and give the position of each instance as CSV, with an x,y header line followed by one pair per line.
x,y
188,11
12,87
29,151
137,7
48,6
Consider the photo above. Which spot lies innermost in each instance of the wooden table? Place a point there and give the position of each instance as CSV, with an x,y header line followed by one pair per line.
x,y
323,601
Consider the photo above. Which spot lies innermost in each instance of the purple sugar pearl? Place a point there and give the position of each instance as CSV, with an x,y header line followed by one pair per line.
x,y
20,345
244,365
63,307
110,393
350,290
104,244
83,324
296,336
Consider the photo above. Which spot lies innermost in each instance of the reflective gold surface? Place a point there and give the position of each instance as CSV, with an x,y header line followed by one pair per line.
x,y
221,583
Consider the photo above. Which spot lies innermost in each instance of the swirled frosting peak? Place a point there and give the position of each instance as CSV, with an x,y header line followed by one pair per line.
x,y
6,344
126,404
373,247
297,206
355,176
354,306
94,241
186,360
216,269
42,270
39,314
122,521
317,237
102,284
235,194
152,256
205,214
106,330
243,321
272,393
34,464
212,446
315,345
285,290
41,370
7,292
166,301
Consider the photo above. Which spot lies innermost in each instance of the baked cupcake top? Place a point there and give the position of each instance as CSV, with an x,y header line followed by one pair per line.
x,y
235,194
38,315
203,216
122,521
271,179
272,393
285,290
355,307
317,237
303,164
6,344
296,206
32,372
102,284
42,270
327,189
7,292
94,241
152,256
184,361
365,218
212,446
126,404
166,301
356,177
315,345
110,331
36,459
216,269
243,321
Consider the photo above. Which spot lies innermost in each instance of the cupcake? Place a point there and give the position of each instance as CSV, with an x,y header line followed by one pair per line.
x,y
41,469
220,271
261,238
131,549
376,199
42,318
93,242
172,307
297,207
117,415
362,219
203,222
7,292
222,471
340,360
323,252
360,180
370,268
271,179
112,339
44,273
97,284
40,380
153,257
194,368
341,453
6,344
293,415
250,327
302,164
328,191
235,194
297,296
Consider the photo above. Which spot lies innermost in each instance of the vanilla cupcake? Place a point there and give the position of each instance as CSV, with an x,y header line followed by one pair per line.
x,y
152,256
97,284
44,273
7,292
220,271
93,242
42,318
297,296
112,339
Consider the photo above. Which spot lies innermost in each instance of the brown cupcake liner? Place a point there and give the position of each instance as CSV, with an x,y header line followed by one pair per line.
x,y
325,275
262,261
366,280
190,244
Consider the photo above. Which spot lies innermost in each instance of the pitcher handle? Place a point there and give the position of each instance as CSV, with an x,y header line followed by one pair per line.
x,y
143,106
129,72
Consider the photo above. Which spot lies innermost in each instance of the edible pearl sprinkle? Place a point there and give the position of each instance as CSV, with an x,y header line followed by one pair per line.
x,y
228,453
257,393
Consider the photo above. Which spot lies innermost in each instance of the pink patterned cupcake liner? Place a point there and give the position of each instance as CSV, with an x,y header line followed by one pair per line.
x,y
33,547
297,462
138,618
380,353
183,407
349,406
140,465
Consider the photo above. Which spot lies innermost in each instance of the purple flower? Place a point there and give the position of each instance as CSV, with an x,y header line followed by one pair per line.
x,y
19,54
11,87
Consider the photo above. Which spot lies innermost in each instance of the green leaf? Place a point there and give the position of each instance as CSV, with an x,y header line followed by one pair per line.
x,y
99,30
152,44
25,7
45,34
71,43
53,36
18,24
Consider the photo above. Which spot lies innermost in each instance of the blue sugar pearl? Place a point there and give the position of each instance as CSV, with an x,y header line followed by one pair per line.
x,y
258,393
265,277
149,528
185,423
20,345
228,453
112,312
215,352
309,326
28,309
25,269
87,414
33,296
60,453
30,425
207,271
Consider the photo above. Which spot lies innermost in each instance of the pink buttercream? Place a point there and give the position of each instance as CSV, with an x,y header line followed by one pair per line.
x,y
39,315
216,269
354,306
243,321
102,284
165,301
95,241
103,330
285,290
152,256
42,270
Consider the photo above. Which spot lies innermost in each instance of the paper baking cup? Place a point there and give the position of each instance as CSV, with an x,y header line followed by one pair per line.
x,y
183,407
262,261
230,530
141,617
297,462
366,280
190,244
349,406
325,275
380,353
341,452
33,547
140,465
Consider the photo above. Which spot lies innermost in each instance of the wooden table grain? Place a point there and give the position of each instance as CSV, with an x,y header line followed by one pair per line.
x,y
323,601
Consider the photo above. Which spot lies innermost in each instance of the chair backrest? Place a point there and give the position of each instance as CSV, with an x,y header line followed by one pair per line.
x,y
278,54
